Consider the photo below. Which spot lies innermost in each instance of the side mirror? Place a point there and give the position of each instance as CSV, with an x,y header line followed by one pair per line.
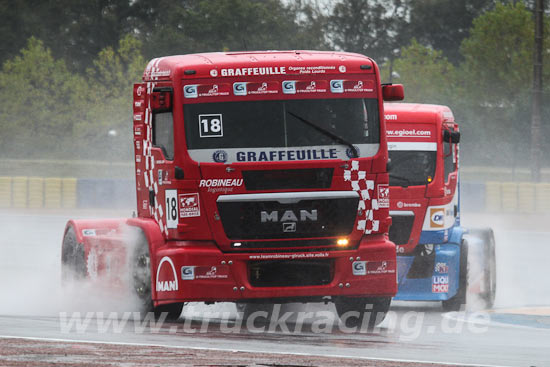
x,y
452,136
393,92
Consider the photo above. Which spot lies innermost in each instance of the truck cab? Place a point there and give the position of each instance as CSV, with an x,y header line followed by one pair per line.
x,y
424,190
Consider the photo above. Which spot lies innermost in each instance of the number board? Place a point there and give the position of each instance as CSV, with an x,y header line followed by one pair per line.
x,y
171,208
211,126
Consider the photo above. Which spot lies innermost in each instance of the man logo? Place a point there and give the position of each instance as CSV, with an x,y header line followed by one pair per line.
x,y
190,91
289,87
288,216
337,86
289,227
170,282
239,89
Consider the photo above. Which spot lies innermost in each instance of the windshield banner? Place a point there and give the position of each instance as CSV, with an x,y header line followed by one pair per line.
x,y
273,154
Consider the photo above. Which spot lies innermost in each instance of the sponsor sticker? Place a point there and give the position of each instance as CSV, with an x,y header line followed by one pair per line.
x,y
350,154
317,69
313,86
383,196
440,284
401,204
189,205
269,70
225,182
167,280
380,267
358,86
140,90
337,86
88,232
442,268
219,156
286,155
289,87
187,272
262,88
190,91
437,217
405,133
239,89
359,268
212,272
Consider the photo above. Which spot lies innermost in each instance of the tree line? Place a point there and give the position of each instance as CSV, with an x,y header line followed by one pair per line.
x,y
68,66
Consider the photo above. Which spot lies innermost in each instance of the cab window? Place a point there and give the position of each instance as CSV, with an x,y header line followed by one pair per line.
x,y
163,133
448,159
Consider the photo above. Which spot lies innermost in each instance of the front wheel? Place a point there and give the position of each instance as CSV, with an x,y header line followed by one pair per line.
x,y
455,303
487,239
362,311
140,282
73,258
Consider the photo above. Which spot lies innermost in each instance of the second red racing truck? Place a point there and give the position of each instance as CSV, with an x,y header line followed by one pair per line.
x,y
261,178
438,259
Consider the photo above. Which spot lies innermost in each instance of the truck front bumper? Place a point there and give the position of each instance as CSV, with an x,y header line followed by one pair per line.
x,y
442,282
197,271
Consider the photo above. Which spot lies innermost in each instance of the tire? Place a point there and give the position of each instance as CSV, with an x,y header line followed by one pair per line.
x,y
73,258
490,268
140,283
459,299
374,308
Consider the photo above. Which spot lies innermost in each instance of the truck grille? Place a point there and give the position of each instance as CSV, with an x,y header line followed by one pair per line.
x,y
401,227
290,273
288,215
288,179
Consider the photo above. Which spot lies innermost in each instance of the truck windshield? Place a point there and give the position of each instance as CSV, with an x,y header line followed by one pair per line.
x,y
275,131
411,168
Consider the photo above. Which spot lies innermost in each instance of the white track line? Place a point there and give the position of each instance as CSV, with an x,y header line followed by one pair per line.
x,y
448,315
247,351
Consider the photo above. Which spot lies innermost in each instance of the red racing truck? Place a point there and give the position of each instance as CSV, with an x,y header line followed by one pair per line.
x,y
438,259
261,178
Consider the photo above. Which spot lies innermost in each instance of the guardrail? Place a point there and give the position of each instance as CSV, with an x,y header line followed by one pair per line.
x,y
54,193
22,192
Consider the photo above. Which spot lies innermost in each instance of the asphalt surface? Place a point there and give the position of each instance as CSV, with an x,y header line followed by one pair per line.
x,y
44,324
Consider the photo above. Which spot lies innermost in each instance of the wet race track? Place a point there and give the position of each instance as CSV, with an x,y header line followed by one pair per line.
x,y
42,324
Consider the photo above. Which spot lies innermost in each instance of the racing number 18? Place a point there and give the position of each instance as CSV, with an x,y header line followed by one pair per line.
x,y
210,126
171,208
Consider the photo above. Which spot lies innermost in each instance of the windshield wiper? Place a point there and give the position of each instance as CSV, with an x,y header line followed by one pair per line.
x,y
323,131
